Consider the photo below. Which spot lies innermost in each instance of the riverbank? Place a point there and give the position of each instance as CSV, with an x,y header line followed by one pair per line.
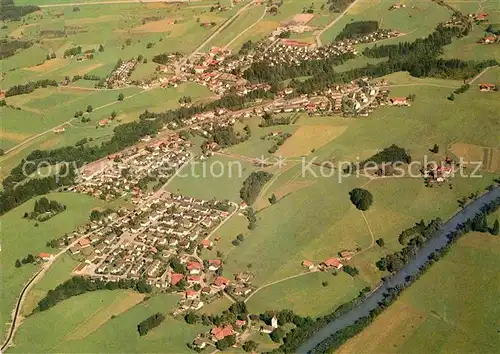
x,y
399,279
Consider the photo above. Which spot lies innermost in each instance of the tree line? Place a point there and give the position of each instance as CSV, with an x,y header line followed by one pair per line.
x,y
357,29
9,11
149,323
78,285
252,186
29,87
9,47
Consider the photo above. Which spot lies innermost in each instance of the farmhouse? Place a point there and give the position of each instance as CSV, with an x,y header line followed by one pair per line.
x,y
219,333
214,264
332,263
399,101
221,282
487,87
490,38
308,264
46,256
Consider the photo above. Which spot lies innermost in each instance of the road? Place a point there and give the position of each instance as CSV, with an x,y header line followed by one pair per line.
x,y
219,30
241,33
412,267
318,36
112,2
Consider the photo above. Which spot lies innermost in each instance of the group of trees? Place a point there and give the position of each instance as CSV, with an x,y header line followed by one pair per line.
x,y
268,120
392,154
10,12
252,186
420,234
338,5
185,100
29,87
165,58
44,209
28,259
361,198
79,285
149,323
9,47
72,51
357,29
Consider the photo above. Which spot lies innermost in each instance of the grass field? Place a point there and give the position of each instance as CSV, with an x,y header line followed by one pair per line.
x,y
450,309
20,237
417,20
84,324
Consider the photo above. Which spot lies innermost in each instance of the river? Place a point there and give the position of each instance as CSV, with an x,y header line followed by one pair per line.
x,y
411,268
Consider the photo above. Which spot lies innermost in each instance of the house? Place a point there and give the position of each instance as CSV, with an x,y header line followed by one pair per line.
x,y
481,17
200,343
191,294
399,101
46,256
214,264
103,122
74,250
221,282
219,333
194,267
490,38
176,277
240,323
347,255
206,243
332,263
308,264
199,69
242,290
487,87
59,130
267,329
194,279
84,242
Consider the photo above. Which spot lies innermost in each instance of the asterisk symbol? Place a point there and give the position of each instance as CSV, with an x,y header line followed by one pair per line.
x,y
280,161
262,161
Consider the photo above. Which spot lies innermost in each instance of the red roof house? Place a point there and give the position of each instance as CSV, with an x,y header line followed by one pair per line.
x,y
332,263
221,282
206,243
46,256
194,279
176,277
219,333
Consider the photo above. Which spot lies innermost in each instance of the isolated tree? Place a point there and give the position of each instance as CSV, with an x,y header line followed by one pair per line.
x,y
361,198
121,97
435,149
495,230
101,48
113,115
451,97
250,346
18,263
380,242
273,199
89,109
140,57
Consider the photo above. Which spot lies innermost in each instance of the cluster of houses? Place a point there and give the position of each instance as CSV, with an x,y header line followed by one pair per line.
x,y
121,75
123,173
143,244
332,263
439,173
488,87
397,6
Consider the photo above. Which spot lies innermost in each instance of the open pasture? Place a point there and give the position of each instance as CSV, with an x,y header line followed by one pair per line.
x,y
449,309
20,237
418,19
78,326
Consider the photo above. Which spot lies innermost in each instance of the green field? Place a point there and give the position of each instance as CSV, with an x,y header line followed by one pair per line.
x,y
20,237
77,326
417,20
452,308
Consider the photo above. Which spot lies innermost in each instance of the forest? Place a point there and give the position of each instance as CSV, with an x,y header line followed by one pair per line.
x,y
9,47
29,87
357,29
252,186
9,11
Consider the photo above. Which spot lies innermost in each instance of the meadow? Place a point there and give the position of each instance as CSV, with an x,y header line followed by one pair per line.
x,y
21,237
418,19
453,307
105,321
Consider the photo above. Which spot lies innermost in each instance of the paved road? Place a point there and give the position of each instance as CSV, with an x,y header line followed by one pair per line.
x,y
399,278
219,30
318,36
246,29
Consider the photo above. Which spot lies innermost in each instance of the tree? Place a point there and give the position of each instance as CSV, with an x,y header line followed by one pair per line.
x,y
250,346
273,199
240,237
89,109
277,335
352,271
113,115
361,198
18,263
191,317
451,97
101,48
121,97
435,149
225,343
325,283
495,230
380,242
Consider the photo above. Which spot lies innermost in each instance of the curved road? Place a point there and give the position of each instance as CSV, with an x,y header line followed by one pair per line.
x,y
411,268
